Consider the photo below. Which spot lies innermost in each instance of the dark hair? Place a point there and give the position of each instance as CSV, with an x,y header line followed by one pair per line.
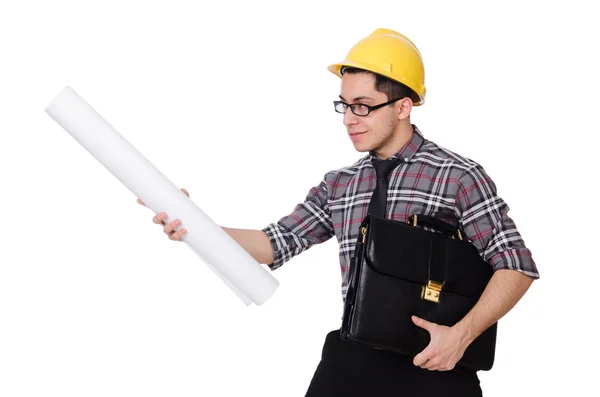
x,y
389,87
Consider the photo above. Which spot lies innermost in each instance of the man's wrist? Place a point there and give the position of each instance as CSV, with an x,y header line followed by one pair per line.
x,y
466,332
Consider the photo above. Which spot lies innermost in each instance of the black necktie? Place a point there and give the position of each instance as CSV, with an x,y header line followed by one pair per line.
x,y
379,199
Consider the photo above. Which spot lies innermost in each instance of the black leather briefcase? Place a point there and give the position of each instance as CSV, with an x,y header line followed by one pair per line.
x,y
400,269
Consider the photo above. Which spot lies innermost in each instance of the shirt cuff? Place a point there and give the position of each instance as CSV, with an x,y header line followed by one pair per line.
x,y
519,259
281,252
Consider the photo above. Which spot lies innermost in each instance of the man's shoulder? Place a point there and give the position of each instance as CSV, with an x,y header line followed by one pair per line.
x,y
437,154
348,170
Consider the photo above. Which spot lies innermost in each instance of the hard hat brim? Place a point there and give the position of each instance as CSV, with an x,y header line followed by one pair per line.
x,y
336,69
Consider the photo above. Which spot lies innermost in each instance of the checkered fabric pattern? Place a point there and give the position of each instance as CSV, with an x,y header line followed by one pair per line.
x,y
430,180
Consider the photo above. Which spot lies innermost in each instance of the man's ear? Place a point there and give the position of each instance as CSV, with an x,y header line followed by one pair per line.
x,y
404,108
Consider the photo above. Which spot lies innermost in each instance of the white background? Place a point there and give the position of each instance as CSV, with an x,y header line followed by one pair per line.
x,y
233,102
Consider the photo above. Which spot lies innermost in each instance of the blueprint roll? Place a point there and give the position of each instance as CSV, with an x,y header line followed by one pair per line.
x,y
224,256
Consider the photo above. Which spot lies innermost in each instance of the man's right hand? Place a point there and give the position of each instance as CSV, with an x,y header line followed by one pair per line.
x,y
169,228
255,242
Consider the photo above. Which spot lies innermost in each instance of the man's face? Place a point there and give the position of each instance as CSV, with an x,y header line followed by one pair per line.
x,y
370,132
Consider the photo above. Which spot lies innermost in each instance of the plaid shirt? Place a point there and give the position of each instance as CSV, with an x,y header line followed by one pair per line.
x,y
430,180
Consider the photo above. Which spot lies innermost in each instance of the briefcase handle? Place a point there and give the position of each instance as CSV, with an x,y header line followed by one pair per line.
x,y
435,223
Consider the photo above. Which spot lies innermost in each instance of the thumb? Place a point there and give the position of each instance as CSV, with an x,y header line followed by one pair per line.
x,y
426,325
422,357
185,191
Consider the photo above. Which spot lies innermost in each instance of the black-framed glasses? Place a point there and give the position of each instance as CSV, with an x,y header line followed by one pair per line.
x,y
360,109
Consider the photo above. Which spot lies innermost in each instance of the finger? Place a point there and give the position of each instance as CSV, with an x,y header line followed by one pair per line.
x,y
423,323
141,202
159,219
421,358
170,227
432,364
437,365
178,235
185,191
445,368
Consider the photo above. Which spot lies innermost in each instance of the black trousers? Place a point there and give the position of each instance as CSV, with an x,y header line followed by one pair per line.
x,y
349,369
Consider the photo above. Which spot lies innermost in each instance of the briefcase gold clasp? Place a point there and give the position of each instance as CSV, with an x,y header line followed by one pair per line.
x,y
431,291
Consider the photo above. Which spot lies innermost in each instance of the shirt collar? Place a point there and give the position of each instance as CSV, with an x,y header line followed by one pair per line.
x,y
408,150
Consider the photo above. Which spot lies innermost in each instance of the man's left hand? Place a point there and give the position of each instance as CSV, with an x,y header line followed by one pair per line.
x,y
446,347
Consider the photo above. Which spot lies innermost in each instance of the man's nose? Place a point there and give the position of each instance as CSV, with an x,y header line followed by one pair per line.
x,y
350,118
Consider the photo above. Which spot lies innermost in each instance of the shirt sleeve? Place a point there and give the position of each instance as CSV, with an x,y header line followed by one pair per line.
x,y
483,216
308,224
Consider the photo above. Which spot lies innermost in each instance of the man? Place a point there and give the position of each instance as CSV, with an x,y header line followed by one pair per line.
x,y
382,78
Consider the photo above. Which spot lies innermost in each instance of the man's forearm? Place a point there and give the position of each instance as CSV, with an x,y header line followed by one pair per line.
x,y
255,242
505,289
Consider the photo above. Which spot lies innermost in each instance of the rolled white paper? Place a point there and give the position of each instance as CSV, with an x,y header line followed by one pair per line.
x,y
228,283
224,256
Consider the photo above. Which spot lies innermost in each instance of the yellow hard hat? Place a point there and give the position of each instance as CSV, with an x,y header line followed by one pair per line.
x,y
390,54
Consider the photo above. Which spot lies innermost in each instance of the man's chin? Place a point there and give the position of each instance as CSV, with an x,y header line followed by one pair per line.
x,y
362,148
